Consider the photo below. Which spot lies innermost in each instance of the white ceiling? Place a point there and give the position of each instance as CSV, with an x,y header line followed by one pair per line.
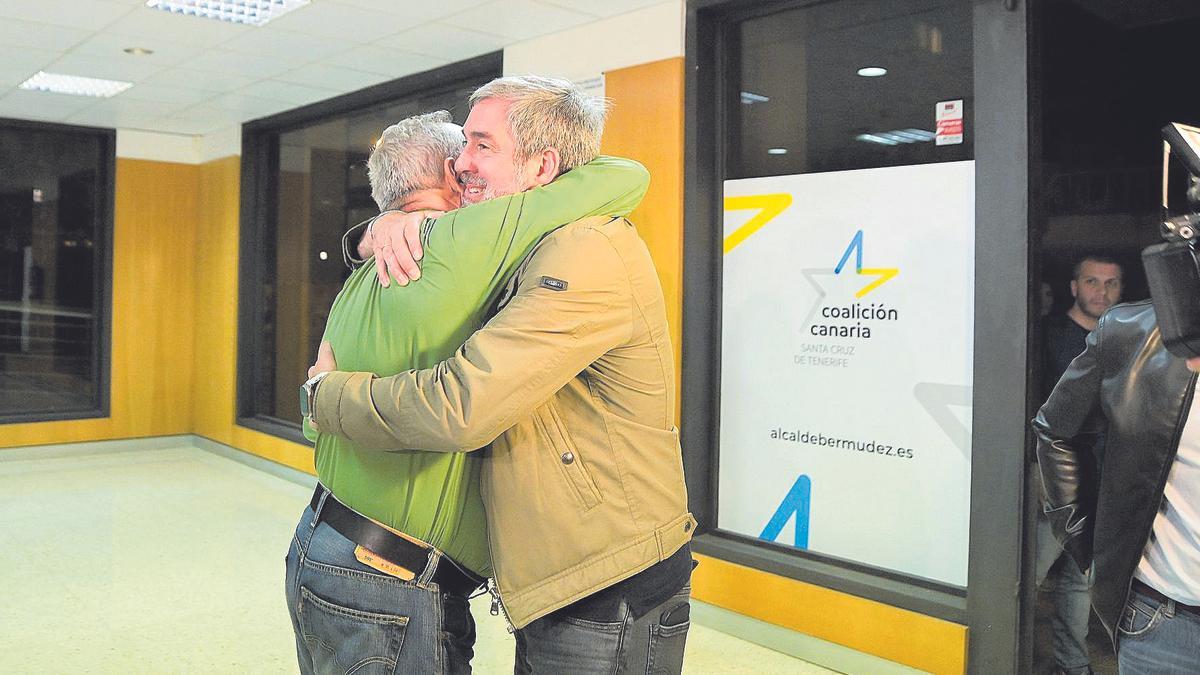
x,y
207,75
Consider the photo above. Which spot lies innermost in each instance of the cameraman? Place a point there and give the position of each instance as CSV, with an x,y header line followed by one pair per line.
x,y
1139,522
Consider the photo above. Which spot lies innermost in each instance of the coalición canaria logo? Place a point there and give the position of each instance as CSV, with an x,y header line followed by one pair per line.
x,y
858,312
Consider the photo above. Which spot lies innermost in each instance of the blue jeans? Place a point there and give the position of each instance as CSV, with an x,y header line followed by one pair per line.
x,y
1068,591
1154,638
348,617
652,644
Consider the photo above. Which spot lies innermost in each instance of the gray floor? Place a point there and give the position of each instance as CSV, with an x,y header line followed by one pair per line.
x,y
171,561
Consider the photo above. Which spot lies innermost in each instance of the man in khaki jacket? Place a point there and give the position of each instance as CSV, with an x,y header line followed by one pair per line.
x,y
572,382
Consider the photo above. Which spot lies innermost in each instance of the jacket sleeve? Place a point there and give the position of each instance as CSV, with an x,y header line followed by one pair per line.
x,y
539,342
1062,426
350,242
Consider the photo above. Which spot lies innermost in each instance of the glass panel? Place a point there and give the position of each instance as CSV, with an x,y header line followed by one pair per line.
x,y
848,283
320,189
52,187
802,107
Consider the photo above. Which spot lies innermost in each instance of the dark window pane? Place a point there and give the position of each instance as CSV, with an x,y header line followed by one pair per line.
x,y
52,199
318,189
798,105
813,95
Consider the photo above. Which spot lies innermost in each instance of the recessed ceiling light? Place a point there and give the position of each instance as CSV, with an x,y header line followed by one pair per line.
x,y
872,71
75,85
776,151
139,51
251,12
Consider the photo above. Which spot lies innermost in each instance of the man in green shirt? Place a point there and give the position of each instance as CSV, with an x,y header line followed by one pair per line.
x,y
393,542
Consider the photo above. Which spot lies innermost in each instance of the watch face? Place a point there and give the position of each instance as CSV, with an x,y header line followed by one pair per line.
x,y
304,411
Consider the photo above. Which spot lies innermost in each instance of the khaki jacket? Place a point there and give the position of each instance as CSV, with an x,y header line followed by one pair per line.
x,y
573,384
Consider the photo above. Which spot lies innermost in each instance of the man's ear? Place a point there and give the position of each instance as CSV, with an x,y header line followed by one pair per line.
x,y
451,178
547,167
1074,289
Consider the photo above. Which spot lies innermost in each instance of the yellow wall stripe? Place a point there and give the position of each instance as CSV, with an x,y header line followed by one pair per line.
x,y
892,633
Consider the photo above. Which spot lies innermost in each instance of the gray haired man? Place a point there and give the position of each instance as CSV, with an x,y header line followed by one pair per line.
x,y
572,382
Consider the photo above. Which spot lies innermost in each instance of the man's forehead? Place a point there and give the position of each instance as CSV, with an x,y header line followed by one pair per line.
x,y
1094,268
488,116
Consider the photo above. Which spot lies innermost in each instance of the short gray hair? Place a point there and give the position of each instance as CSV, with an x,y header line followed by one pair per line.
x,y
410,156
547,112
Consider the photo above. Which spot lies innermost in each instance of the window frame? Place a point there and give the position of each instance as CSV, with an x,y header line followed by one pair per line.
x,y
989,605
102,281
258,200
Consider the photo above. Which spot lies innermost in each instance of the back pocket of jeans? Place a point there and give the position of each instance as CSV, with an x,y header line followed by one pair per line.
x,y
347,640
668,639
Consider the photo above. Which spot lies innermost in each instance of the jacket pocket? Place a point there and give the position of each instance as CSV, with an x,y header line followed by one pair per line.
x,y
566,456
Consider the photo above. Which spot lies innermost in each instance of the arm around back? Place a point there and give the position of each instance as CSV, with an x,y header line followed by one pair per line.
x,y
573,304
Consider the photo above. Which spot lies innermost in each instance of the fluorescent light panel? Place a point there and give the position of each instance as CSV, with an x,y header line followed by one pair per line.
x,y
750,98
75,85
250,12
897,137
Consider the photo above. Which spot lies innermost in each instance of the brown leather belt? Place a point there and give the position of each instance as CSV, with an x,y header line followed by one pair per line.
x,y
449,575
1153,593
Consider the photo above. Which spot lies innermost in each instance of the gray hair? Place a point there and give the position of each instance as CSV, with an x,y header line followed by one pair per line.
x,y
546,112
410,156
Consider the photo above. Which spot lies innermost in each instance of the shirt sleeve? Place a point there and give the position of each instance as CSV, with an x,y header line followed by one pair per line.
x,y
540,340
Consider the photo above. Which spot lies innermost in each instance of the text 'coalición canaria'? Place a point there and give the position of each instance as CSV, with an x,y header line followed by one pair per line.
x,y
858,313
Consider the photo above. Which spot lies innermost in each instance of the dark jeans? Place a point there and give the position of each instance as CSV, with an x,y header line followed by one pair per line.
x,y
348,617
1157,638
651,644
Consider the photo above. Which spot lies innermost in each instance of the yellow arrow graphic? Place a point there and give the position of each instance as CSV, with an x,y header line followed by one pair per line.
x,y
769,206
885,275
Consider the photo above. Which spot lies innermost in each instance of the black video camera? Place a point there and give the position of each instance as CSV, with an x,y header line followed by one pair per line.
x,y
1173,267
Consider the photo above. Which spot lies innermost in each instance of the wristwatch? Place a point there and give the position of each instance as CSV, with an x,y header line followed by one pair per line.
x,y
308,394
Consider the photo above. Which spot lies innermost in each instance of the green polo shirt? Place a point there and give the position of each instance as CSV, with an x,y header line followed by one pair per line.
x,y
469,255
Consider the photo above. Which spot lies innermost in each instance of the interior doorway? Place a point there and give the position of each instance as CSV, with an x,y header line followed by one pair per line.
x,y
1109,74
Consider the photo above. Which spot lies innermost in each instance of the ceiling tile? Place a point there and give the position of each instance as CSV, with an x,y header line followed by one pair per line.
x,y
247,105
447,42
42,105
517,19
288,92
384,61
114,119
16,33
606,8
328,77
204,118
17,60
200,80
86,14
286,45
165,52
416,13
126,69
328,19
219,62
144,91
187,30
120,104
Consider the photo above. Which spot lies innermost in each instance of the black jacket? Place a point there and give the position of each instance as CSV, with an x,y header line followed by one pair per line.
x,y
1127,386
